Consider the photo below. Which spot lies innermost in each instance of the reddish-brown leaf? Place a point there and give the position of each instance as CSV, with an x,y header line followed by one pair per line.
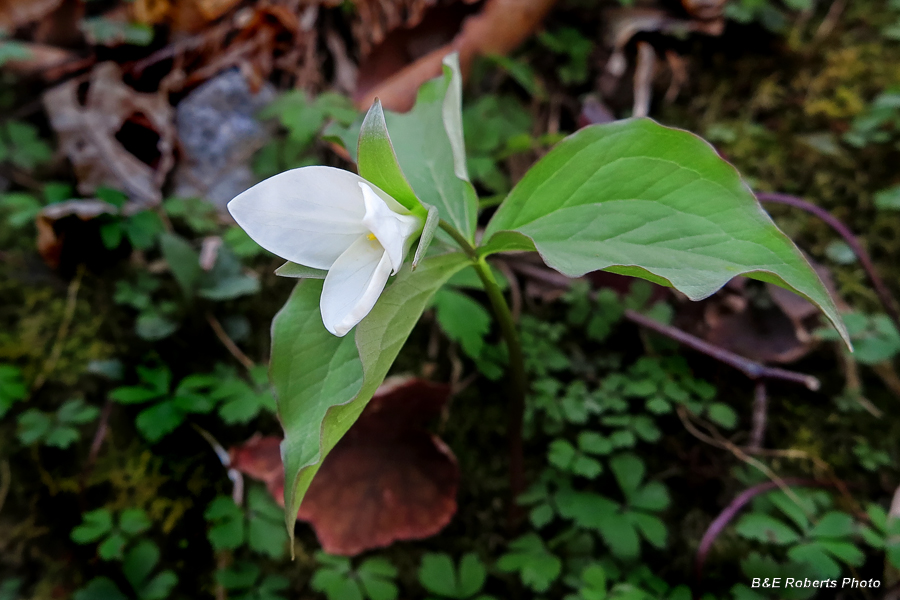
x,y
388,479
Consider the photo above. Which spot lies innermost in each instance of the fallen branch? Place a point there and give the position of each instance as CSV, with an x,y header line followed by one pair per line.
x,y
750,368
730,512
62,332
884,295
228,342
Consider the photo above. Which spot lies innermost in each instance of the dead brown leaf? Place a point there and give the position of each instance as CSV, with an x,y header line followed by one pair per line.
x,y
16,13
181,15
51,231
100,134
397,480
41,57
499,28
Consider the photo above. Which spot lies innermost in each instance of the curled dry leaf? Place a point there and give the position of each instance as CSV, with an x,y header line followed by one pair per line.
x,y
94,134
625,23
181,15
16,13
51,225
397,480
776,330
704,9
499,28
39,58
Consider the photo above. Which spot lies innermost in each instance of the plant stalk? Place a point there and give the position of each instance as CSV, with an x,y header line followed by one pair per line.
x,y
518,379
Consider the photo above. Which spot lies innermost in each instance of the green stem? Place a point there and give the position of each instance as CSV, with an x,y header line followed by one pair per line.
x,y
518,380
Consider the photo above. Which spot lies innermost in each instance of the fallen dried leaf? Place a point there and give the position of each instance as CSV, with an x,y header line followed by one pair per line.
x,y
499,28
397,480
93,134
16,13
38,58
51,231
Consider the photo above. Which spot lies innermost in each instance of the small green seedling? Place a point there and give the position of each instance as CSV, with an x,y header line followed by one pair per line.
x,y
373,579
100,525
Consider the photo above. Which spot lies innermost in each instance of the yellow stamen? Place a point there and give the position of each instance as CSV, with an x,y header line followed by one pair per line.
x,y
371,236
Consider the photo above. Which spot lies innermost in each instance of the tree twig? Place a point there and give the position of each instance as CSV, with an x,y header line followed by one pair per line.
x,y
730,512
97,443
228,342
884,295
750,368
5,481
62,332
760,413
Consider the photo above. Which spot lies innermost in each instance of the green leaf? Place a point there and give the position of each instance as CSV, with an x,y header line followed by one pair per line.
x,y
437,575
33,426
762,527
429,147
463,320
153,326
95,524
888,199
142,229
239,576
99,588
140,562
636,198
61,437
134,394
815,556
160,420
472,575
833,525
323,382
528,556
183,260
654,497
112,547
134,521
722,414
375,575
844,551
296,271
629,471
160,587
77,412
227,524
377,162
12,387
111,234
265,533
652,528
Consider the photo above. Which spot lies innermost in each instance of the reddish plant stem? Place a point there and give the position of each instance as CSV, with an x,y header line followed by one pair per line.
x,y
760,414
730,512
884,295
751,369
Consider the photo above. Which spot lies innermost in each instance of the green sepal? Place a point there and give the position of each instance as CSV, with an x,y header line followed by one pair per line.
x,y
377,161
293,270
432,220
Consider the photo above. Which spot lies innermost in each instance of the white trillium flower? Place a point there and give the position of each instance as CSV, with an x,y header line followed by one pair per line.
x,y
327,218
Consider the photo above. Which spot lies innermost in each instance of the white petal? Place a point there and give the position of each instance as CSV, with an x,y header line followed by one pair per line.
x,y
353,285
309,216
392,229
